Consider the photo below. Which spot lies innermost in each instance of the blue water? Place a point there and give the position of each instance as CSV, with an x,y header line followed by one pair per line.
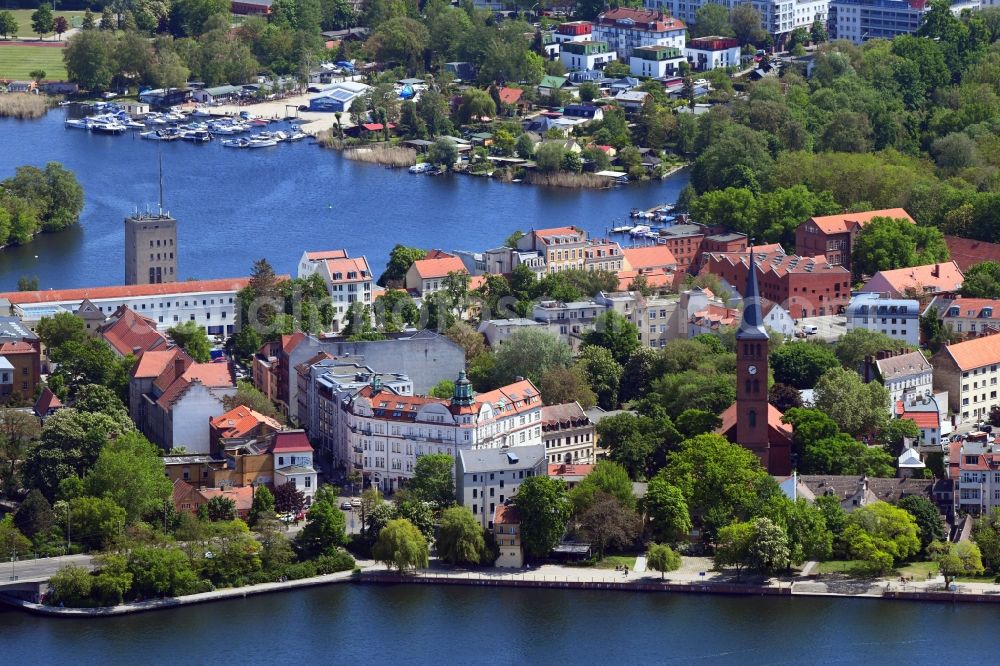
x,y
235,206
354,624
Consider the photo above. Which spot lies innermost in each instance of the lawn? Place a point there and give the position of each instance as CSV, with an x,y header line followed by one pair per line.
x,y
613,561
17,61
23,18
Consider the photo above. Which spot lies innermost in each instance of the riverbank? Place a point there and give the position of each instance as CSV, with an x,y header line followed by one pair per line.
x,y
23,106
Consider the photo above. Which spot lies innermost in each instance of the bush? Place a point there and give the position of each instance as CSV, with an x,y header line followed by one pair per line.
x,y
300,570
339,560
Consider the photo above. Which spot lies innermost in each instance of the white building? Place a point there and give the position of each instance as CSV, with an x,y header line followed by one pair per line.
x,y
569,321
348,280
974,467
906,375
899,318
656,61
487,478
293,462
626,29
383,433
860,20
778,17
707,53
568,435
210,303
497,330
969,371
930,413
581,55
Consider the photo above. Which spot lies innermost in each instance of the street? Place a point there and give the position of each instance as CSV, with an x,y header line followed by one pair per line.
x,y
41,569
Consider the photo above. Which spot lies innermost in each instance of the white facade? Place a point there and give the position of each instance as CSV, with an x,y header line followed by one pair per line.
x,y
209,303
191,413
705,59
485,479
575,62
646,63
624,35
860,20
296,467
897,318
777,16
348,280
973,468
906,376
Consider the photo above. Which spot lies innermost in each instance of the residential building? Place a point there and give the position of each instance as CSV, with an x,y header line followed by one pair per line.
x,y
382,432
562,247
804,286
657,318
860,20
967,317
573,31
778,17
708,53
92,317
239,425
425,357
507,534
569,321
752,421
968,371
833,235
685,243
656,61
20,362
905,374
293,462
921,282
129,333
172,398
604,255
585,112
656,263
427,275
551,82
967,252
242,497
150,248
497,330
487,478
631,101
626,29
899,318
217,94
251,7
186,497
585,55
855,492
348,280
48,403
568,435
569,473
198,470
209,303
712,320
974,467
930,413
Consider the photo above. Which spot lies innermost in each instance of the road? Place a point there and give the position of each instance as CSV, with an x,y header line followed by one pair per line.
x,y
42,568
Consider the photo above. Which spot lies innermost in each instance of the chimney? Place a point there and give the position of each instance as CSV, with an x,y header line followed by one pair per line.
x,y
936,271
178,366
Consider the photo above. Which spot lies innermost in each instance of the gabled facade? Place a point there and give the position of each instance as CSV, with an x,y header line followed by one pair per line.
x,y
833,235
347,279
970,372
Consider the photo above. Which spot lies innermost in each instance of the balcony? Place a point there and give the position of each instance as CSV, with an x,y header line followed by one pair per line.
x,y
357,449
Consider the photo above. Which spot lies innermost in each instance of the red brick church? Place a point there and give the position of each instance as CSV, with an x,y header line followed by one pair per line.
x,y
752,422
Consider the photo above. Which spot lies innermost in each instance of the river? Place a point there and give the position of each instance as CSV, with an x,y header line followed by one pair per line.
x,y
356,624
235,206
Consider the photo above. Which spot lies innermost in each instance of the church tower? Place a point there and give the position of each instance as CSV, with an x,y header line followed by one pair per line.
x,y
751,372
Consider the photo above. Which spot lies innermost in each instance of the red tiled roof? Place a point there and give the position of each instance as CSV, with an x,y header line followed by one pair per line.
x,y
290,342
387,404
654,278
213,375
326,254
948,278
183,490
506,514
517,397
715,316
345,265
510,95
18,347
242,496
130,331
654,256
838,224
645,19
569,469
774,421
376,127
967,252
438,268
557,231
972,307
47,401
127,291
240,422
975,353
290,441
927,420
152,363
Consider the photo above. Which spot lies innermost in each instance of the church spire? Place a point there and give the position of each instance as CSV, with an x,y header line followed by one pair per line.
x,y
752,322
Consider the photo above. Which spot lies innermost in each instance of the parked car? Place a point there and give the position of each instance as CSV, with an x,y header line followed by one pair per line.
x,y
809,329
356,502
345,505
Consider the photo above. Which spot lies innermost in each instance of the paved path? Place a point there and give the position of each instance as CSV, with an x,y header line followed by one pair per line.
x,y
807,568
42,568
640,564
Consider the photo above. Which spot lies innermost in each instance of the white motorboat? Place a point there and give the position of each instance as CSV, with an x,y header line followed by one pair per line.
x,y
78,123
107,127
297,136
196,136
261,143
423,167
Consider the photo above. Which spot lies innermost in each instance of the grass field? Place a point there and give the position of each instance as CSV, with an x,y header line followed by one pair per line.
x,y
23,18
17,61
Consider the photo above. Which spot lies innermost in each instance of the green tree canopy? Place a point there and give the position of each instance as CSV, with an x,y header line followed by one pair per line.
x,y
881,535
662,558
544,509
529,353
130,471
191,337
460,537
669,520
401,545
885,243
801,364
433,479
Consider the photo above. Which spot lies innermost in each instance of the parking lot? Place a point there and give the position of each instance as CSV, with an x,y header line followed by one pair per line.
x,y
829,327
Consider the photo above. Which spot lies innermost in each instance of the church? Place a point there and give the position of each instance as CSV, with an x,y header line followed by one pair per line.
x,y
752,422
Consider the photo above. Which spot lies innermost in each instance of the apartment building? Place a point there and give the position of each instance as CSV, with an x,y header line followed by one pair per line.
x,y
349,280
562,247
860,20
778,17
487,478
968,371
570,321
907,375
656,61
920,282
833,235
974,467
625,29
967,317
429,274
584,56
20,362
568,435
707,53
899,318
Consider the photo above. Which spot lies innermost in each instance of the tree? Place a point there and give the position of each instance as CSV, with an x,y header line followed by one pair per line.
x,y
616,334
468,338
42,21
411,125
88,20
768,551
801,364
784,397
444,389
89,58
732,546
8,24
161,572
607,478
529,353
809,538
608,524
859,343
667,509
544,510
394,310
130,471
982,281
90,362
885,244
927,516
524,147
476,106
881,535
325,529
746,22
603,374
191,337
262,505
400,39
60,25
400,544
444,153
218,509
549,156
12,541
71,586
986,534
662,558
712,19
561,385
817,32
858,408
93,522
460,537
247,395
34,516
433,479
956,559
738,157
59,329
288,499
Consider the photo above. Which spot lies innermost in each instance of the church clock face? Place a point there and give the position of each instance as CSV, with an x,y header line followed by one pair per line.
x,y
752,369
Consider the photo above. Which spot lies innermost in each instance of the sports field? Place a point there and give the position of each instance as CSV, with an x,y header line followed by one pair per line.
x,y
23,18
17,61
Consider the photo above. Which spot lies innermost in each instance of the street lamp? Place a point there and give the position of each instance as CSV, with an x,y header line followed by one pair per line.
x,y
13,558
